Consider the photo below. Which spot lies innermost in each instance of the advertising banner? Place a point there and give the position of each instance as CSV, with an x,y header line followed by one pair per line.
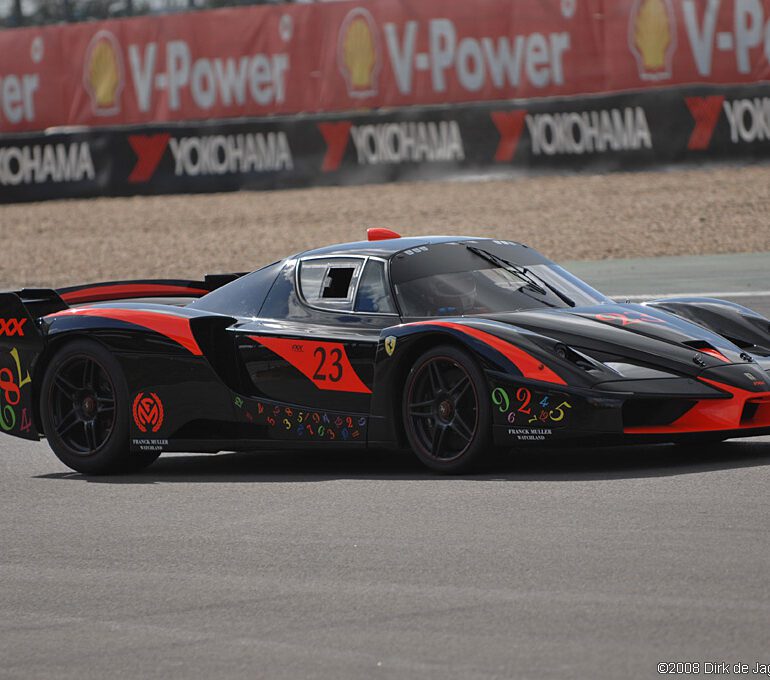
x,y
622,131
380,54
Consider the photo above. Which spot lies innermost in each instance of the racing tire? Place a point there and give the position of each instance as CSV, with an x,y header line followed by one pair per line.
x,y
84,411
447,420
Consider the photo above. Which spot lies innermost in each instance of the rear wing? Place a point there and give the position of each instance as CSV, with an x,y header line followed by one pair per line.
x,y
143,288
21,343
19,312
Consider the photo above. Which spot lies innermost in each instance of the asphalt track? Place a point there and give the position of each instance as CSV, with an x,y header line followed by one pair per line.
x,y
578,564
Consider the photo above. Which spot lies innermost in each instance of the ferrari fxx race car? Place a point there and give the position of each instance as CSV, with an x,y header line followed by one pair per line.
x,y
450,346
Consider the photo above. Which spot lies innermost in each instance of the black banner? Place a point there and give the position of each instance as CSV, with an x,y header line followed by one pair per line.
x,y
627,131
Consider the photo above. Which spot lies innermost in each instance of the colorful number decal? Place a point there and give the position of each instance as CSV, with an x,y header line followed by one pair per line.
x,y
536,406
524,396
557,414
26,421
7,418
289,422
10,389
8,386
500,399
17,361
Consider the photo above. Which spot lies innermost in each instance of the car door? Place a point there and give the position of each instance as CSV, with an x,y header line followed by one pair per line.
x,y
315,341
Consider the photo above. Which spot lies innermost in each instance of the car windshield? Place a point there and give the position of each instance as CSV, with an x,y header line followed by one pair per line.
x,y
483,277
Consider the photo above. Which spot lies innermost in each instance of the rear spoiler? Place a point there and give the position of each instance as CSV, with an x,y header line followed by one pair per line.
x,y
32,302
143,288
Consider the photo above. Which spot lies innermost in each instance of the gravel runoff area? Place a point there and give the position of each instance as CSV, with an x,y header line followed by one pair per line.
x,y
672,212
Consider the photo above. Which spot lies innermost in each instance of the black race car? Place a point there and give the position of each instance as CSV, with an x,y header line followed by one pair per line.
x,y
450,346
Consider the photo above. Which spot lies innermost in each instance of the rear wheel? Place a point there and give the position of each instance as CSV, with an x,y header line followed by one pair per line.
x,y
447,420
84,411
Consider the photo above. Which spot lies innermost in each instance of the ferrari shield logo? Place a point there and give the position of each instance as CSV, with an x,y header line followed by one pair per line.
x,y
390,345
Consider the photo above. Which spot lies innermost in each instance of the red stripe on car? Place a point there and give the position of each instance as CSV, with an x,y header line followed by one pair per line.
x,y
712,415
530,367
126,291
176,328
714,353
326,364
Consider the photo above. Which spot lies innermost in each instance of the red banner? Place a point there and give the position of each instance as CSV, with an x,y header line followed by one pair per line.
x,y
346,56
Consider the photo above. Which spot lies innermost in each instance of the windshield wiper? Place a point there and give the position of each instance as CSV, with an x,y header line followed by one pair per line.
x,y
520,271
523,273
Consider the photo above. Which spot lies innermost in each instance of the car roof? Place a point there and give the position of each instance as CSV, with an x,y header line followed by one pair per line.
x,y
388,247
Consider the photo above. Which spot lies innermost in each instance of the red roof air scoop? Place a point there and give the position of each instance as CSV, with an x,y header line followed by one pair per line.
x,y
380,234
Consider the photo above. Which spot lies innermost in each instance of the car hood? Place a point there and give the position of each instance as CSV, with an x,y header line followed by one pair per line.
x,y
633,332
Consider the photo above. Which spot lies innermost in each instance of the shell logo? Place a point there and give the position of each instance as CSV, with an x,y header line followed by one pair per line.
x,y
358,53
103,73
652,38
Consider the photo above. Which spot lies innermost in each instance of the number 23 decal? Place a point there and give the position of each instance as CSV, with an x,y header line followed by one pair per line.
x,y
329,366
325,363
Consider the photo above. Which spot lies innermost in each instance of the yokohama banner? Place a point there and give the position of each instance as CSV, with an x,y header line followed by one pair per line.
x,y
623,131
346,56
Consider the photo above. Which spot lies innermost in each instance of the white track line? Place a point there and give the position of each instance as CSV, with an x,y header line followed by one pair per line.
x,y
659,296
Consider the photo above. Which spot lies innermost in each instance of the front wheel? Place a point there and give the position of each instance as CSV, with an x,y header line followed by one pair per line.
x,y
447,420
84,411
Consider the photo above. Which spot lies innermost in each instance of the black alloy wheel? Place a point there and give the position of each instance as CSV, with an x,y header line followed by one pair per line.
x,y
447,420
84,411
81,401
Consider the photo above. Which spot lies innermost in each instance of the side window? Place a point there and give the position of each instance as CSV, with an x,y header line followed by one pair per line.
x,y
330,283
373,292
336,286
